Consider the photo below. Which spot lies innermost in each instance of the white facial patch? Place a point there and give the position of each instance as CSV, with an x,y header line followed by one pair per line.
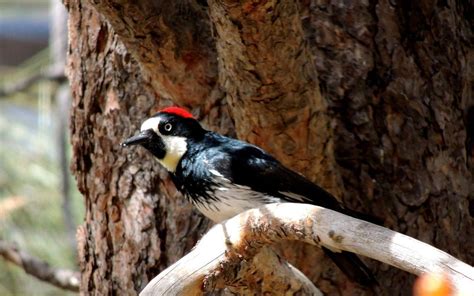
x,y
175,146
151,123
175,149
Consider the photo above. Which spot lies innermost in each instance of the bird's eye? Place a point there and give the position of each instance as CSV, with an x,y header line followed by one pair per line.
x,y
168,127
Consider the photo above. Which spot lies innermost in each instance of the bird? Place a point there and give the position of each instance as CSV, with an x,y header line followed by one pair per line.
x,y
223,177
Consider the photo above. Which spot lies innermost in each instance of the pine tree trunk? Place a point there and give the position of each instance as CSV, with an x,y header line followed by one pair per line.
x,y
398,78
372,100
135,223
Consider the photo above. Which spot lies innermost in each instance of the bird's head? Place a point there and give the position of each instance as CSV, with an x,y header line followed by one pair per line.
x,y
166,135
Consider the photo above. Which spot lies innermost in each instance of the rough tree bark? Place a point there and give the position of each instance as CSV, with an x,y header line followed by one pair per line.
x,y
398,79
370,99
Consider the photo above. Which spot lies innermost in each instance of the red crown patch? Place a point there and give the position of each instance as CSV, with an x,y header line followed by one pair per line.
x,y
177,111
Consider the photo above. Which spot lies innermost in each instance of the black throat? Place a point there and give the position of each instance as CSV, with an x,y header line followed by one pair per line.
x,y
156,146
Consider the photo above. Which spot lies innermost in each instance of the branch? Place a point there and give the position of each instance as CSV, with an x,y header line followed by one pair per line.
x,y
228,244
51,73
207,270
61,278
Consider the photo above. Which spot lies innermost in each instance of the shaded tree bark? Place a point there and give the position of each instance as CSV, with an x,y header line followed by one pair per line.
x,y
398,79
369,99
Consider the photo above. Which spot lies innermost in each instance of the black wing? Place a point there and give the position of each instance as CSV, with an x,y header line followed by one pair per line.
x,y
248,165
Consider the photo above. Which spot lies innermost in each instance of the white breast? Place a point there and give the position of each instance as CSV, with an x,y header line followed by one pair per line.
x,y
232,199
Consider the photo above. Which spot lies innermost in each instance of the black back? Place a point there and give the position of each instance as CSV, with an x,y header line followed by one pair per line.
x,y
244,164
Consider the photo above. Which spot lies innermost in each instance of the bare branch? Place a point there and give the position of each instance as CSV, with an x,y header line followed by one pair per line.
x,y
61,278
206,269
51,73
229,244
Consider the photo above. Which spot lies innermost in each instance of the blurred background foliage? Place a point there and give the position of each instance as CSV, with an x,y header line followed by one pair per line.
x,y
31,195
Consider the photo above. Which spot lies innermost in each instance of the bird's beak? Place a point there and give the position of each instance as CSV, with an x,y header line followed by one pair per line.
x,y
142,138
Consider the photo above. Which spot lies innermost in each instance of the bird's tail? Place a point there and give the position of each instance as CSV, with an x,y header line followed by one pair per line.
x,y
352,266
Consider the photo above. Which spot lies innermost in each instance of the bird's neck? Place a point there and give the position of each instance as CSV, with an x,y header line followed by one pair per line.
x,y
190,175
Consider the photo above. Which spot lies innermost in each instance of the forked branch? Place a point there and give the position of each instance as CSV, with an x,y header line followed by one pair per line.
x,y
217,259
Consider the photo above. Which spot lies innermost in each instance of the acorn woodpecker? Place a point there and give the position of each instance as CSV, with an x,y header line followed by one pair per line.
x,y
223,177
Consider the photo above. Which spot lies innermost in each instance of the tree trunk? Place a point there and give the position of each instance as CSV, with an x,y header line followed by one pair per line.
x,y
398,79
369,99
135,223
